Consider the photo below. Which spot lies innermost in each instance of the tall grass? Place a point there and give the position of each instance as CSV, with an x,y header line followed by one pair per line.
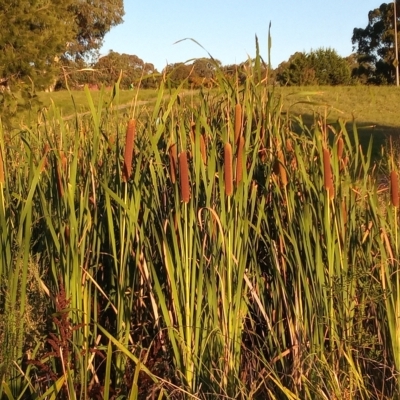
x,y
211,247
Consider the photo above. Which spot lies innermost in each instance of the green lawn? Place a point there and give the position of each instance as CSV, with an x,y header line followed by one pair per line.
x,y
368,105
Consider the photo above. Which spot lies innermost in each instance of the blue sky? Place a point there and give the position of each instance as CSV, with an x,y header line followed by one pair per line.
x,y
227,28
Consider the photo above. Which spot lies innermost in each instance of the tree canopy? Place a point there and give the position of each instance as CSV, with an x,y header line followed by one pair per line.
x,y
93,19
33,34
374,46
319,67
37,35
134,69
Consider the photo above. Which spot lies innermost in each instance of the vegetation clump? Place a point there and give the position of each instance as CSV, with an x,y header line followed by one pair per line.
x,y
200,248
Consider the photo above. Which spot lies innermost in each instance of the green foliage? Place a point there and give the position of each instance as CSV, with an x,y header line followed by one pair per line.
x,y
108,69
319,67
198,74
374,46
39,37
33,34
92,20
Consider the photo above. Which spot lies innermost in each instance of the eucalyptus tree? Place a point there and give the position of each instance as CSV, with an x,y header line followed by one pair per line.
x,y
375,45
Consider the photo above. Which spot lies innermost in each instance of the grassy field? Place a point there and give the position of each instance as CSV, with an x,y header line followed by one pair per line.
x,y
201,246
367,105
76,101
372,107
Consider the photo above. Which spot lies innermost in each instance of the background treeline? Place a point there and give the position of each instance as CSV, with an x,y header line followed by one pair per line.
x,y
48,48
318,67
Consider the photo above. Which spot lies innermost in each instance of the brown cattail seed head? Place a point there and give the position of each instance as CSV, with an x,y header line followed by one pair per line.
x,y
394,188
238,122
184,177
328,179
173,161
129,147
239,161
228,169
289,146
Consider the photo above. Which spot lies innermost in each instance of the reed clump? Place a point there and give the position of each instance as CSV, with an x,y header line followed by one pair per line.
x,y
202,277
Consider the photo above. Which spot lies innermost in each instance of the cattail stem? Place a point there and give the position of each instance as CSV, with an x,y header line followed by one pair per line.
x,y
228,169
173,161
129,147
184,177
239,161
238,122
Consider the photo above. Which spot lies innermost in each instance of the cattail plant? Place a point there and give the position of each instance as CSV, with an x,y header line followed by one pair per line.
x,y
394,188
289,145
129,147
239,161
328,179
238,122
184,177
228,169
173,161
